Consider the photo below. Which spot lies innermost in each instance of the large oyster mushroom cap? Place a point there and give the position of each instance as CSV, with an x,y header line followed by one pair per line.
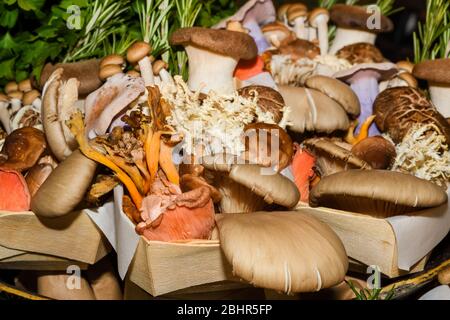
x,y
397,109
379,193
284,251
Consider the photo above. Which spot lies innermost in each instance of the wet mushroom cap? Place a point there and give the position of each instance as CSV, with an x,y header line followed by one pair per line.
x,y
338,91
229,43
433,70
137,51
379,193
269,100
398,109
283,251
358,53
356,17
377,151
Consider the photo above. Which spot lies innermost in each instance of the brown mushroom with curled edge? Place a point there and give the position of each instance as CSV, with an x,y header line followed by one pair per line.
x,y
138,53
213,56
338,91
277,33
398,109
37,174
269,100
313,111
331,158
355,24
361,53
290,252
85,71
249,187
297,14
378,193
66,186
22,149
376,151
436,72
268,145
402,79
58,104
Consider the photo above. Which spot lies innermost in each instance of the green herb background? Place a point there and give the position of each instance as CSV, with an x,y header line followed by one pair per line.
x,y
33,32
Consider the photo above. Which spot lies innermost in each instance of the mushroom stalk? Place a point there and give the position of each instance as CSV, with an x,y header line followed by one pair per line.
x,y
4,116
165,77
366,88
15,105
346,37
210,71
440,95
312,34
323,36
146,71
300,29
257,35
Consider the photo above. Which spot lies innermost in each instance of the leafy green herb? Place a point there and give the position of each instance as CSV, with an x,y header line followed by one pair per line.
x,y
387,7
369,294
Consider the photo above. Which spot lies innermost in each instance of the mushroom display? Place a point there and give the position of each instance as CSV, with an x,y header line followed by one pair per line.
x,y
376,193
213,56
293,252
353,27
436,73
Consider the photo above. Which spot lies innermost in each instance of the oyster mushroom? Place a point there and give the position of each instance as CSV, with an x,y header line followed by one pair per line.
x,y
319,18
297,15
283,251
22,149
436,72
246,187
364,79
213,56
331,158
398,109
376,151
352,23
379,193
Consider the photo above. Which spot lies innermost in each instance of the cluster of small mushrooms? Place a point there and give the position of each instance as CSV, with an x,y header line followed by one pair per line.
x,y
335,117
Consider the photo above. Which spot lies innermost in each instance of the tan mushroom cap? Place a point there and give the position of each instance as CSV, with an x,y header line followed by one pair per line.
x,y
433,70
409,79
404,65
30,96
16,95
133,73
225,42
283,251
137,51
282,10
338,91
311,110
236,26
315,14
158,65
356,17
273,188
25,85
384,70
109,70
112,59
377,151
378,193
296,10
300,48
3,98
361,52
11,87
276,26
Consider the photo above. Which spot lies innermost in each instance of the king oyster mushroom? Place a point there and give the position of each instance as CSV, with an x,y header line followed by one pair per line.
x,y
283,251
436,72
353,26
379,193
397,109
213,56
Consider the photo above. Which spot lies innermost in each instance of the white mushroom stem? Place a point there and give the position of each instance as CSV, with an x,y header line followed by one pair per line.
x,y
37,104
440,95
210,71
322,27
166,77
158,81
345,37
300,29
4,116
15,105
145,67
312,34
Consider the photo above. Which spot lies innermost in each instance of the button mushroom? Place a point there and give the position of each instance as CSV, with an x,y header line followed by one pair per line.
x,y
436,72
378,193
283,251
213,56
364,79
352,23
138,53
319,18
297,15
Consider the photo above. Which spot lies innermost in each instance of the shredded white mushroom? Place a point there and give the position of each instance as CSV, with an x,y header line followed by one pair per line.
x,y
425,154
287,71
216,122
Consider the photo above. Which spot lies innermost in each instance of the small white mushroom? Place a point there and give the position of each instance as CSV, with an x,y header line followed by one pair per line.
x,y
159,69
297,15
319,18
16,101
138,53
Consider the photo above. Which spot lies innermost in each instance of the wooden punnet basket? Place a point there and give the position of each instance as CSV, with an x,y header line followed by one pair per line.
x,y
29,243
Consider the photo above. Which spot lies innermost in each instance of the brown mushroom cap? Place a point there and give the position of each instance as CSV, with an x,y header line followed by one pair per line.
x,y
377,151
109,70
378,193
3,98
137,51
296,10
112,59
11,86
158,65
25,85
384,70
283,251
229,43
30,96
398,109
433,70
316,13
338,91
282,10
332,158
311,110
22,149
299,49
16,95
276,26
404,65
133,73
356,17
358,53
409,79
269,100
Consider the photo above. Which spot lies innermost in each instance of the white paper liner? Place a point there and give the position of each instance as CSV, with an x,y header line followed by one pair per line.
x,y
438,293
